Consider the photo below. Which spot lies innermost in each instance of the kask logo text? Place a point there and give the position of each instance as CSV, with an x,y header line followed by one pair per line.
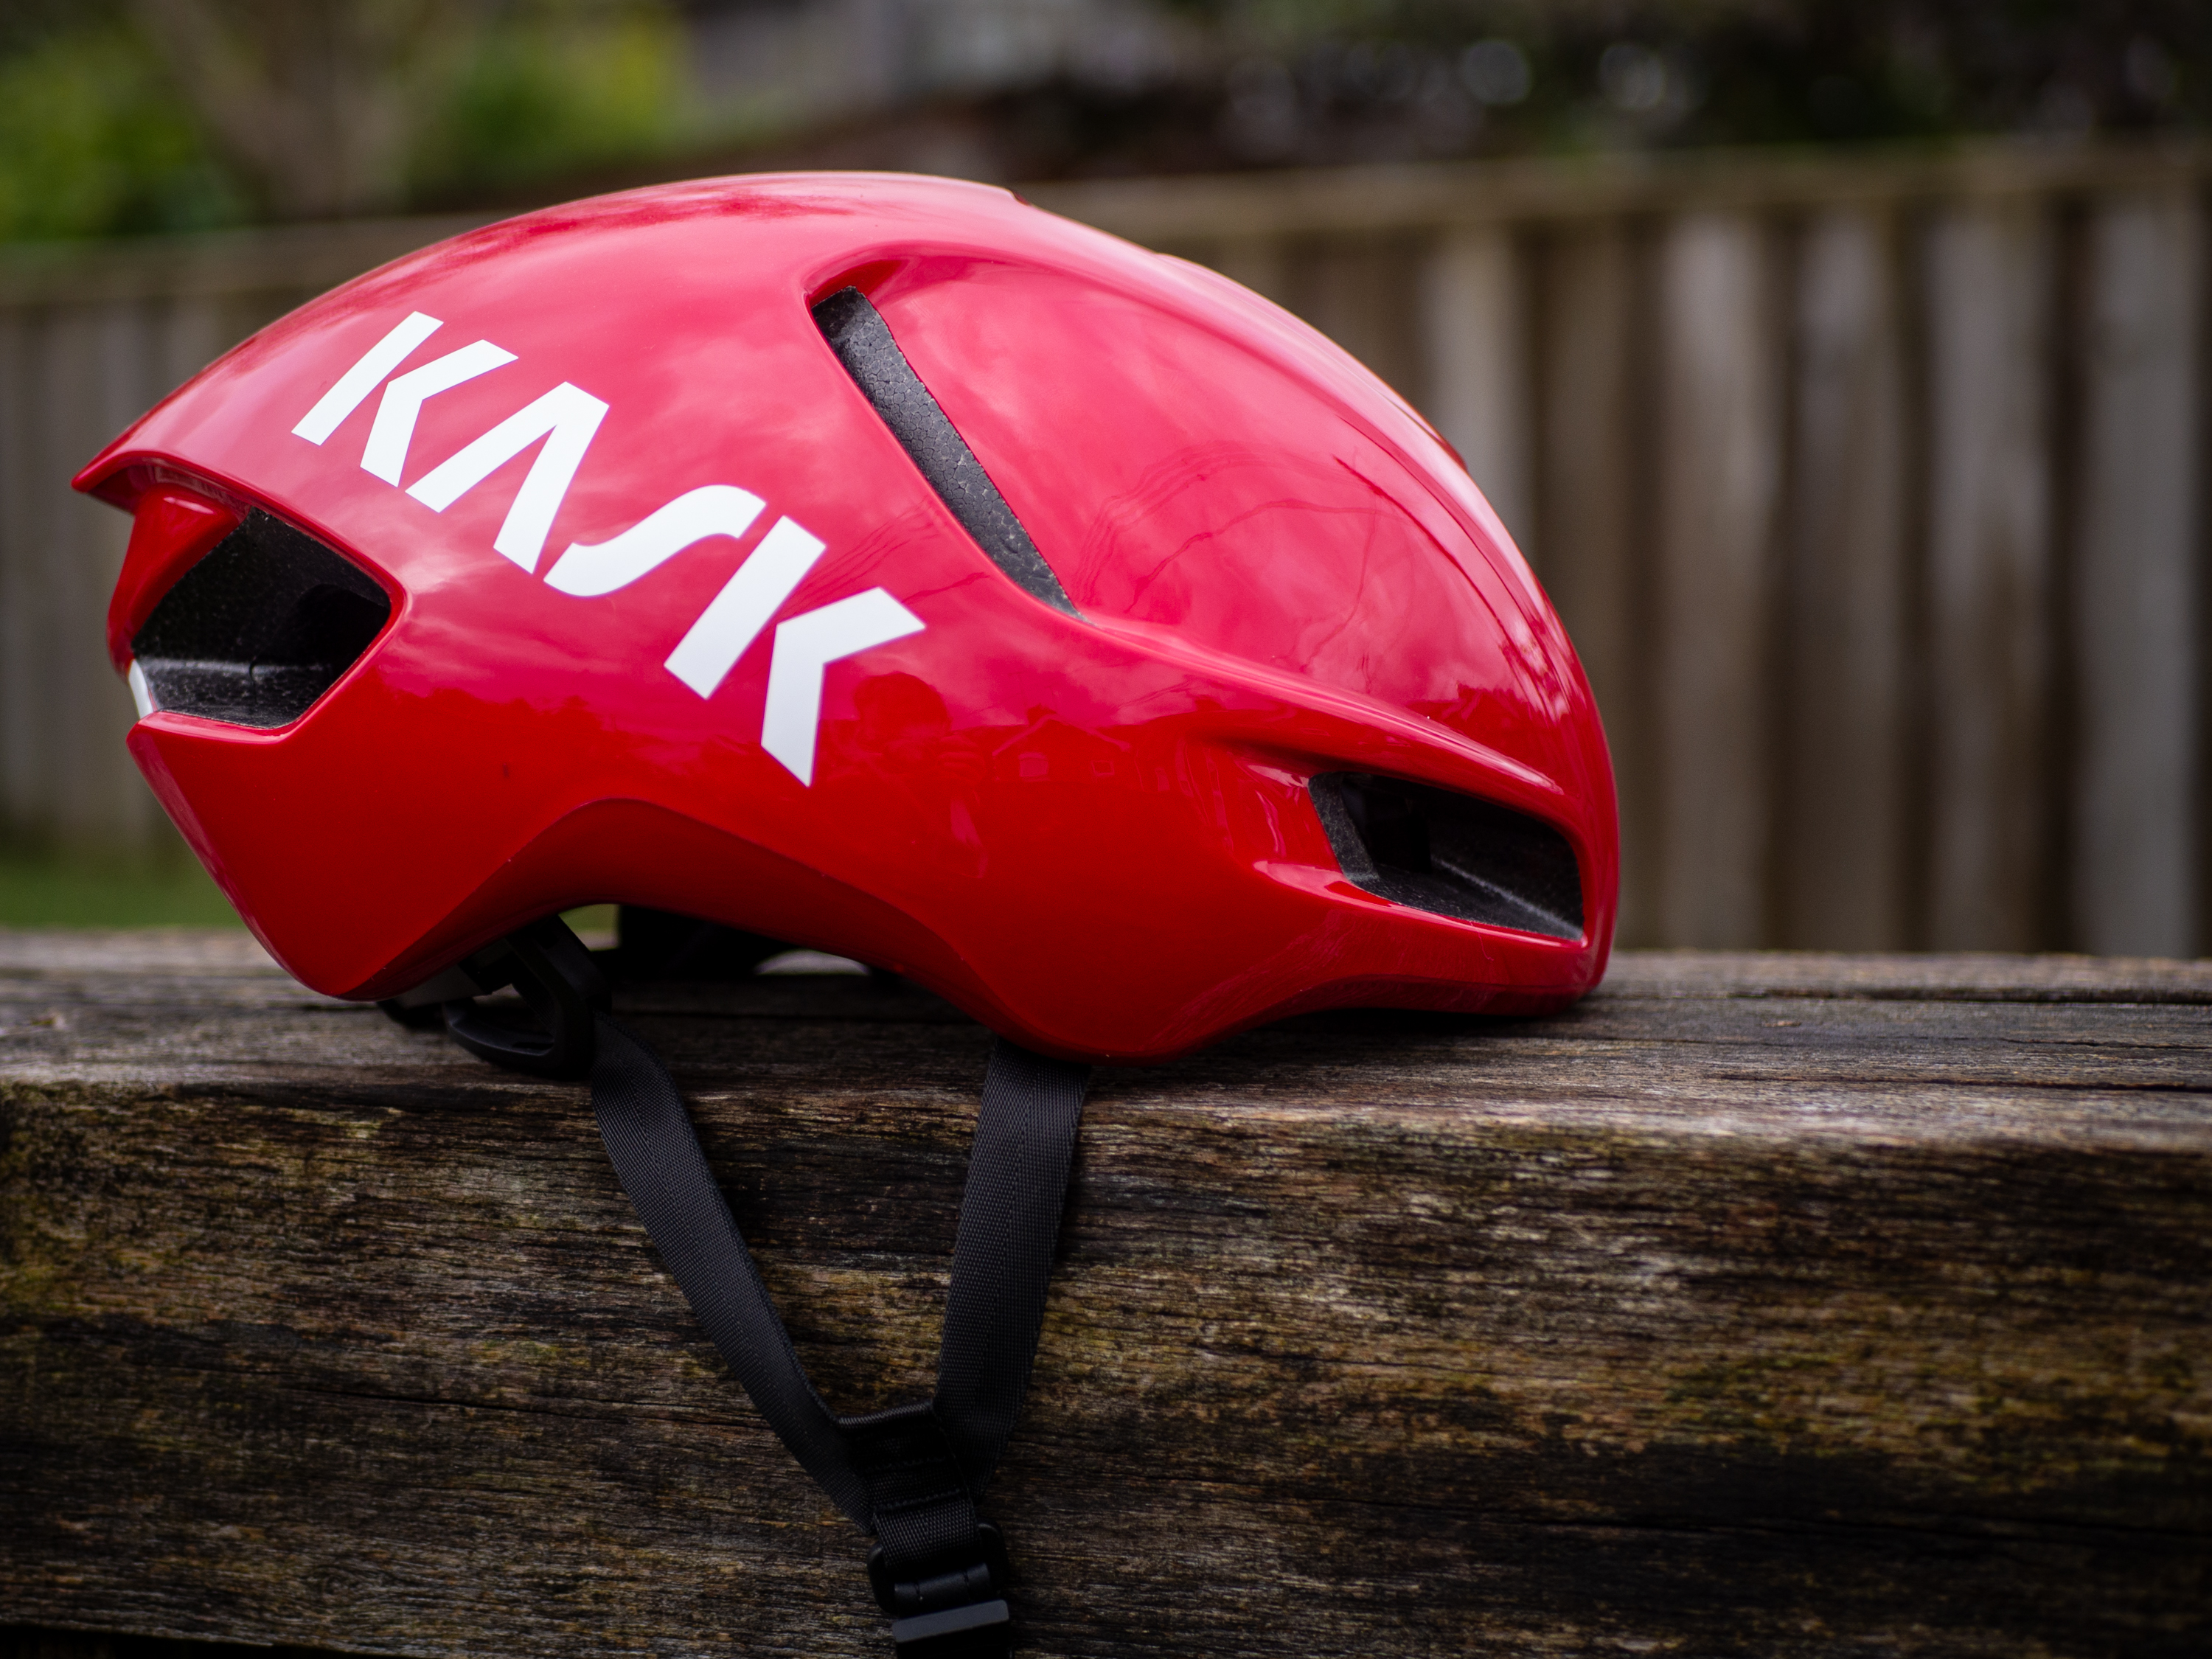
x,y
563,424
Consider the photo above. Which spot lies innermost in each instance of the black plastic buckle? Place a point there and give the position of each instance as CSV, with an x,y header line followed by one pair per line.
x,y
958,1612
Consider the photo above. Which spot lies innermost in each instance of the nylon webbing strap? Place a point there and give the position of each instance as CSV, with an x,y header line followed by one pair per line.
x,y
909,1476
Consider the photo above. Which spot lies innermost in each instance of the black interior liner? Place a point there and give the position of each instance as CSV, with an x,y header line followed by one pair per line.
x,y
260,627
1454,854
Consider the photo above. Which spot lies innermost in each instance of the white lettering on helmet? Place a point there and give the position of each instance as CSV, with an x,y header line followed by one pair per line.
x,y
734,617
805,645
386,454
588,570
354,385
566,418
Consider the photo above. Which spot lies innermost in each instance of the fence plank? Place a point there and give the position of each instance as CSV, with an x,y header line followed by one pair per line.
x,y
2135,596
22,505
1842,880
1473,328
1259,263
1719,478
1990,291
93,793
1590,545
1363,295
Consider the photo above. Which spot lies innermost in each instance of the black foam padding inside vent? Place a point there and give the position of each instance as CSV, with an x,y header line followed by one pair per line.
x,y
260,627
1455,855
856,331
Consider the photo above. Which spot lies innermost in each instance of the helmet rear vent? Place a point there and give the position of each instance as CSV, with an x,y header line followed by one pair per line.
x,y
856,331
260,627
1453,855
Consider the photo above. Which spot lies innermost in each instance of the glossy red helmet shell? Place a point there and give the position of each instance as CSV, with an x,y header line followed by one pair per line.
x,y
1093,824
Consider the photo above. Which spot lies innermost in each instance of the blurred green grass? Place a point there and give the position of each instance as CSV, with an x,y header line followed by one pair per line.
x,y
45,891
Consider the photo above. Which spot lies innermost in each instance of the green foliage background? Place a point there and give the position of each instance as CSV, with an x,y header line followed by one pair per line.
x,y
523,101
97,138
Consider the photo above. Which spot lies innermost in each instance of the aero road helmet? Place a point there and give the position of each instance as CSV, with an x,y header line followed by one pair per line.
x,y
878,565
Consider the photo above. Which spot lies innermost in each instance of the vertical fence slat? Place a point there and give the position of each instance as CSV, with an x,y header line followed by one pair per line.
x,y
1989,286
2136,599
1843,663
96,790
1258,262
1363,295
24,500
1591,549
1719,476
1477,392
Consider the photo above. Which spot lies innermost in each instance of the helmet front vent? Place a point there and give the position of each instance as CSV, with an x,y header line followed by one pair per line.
x,y
856,331
259,629
1454,854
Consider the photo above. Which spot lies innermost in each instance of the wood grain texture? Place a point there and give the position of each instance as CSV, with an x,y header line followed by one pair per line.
x,y
1760,1304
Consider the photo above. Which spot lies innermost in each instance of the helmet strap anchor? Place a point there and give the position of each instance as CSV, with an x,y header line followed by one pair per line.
x,y
559,983
909,1476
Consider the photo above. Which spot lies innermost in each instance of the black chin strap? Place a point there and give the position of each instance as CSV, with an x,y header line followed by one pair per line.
x,y
909,1476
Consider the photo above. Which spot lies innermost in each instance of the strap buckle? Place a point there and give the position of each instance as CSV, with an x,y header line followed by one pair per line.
x,y
958,1611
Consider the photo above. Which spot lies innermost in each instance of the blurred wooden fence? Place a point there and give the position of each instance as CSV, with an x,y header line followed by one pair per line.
x,y
1870,490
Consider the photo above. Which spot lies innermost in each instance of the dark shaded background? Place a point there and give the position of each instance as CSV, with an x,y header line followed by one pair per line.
x,y
133,116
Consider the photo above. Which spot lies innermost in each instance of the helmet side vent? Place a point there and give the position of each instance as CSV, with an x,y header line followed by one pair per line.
x,y
1453,855
260,627
856,331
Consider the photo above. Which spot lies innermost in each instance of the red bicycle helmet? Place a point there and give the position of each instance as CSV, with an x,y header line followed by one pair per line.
x,y
877,564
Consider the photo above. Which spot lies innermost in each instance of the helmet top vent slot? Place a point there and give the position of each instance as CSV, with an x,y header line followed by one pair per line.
x,y
1454,854
856,331
260,627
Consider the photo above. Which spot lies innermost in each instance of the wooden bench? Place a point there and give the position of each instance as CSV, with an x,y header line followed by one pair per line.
x,y
1760,1304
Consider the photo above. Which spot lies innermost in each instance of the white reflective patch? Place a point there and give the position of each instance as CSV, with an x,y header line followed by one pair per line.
x,y
386,455
733,621
566,417
805,645
589,569
140,693
809,962
354,385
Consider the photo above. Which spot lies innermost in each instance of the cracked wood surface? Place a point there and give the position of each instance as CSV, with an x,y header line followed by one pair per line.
x,y
1774,1305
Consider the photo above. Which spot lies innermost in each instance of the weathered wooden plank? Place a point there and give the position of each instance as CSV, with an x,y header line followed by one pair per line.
x,y
1764,1305
1719,463
1844,830
2136,611
1593,553
1989,286
1473,337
